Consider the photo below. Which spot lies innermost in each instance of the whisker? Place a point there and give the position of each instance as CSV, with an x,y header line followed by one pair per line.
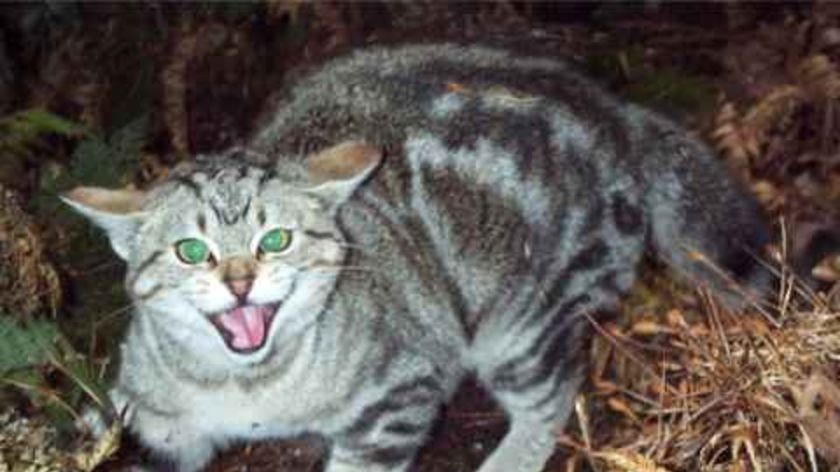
x,y
325,268
107,317
325,275
108,264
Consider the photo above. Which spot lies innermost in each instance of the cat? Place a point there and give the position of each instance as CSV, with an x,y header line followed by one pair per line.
x,y
407,216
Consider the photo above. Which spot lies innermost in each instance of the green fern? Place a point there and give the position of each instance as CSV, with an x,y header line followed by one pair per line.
x,y
25,127
37,358
22,140
110,161
103,160
29,350
23,347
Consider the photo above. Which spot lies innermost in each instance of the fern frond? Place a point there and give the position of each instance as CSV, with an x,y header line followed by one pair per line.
x,y
23,346
110,161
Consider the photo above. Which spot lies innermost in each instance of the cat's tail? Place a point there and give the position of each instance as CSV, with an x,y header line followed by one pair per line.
x,y
705,224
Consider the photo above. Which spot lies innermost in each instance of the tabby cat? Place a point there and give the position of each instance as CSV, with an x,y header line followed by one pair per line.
x,y
409,216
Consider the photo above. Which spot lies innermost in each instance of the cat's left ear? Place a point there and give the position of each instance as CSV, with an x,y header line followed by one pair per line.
x,y
335,173
118,212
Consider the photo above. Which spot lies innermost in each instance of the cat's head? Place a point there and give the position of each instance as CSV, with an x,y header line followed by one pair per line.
x,y
229,257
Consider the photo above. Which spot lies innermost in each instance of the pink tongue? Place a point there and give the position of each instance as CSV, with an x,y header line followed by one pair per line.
x,y
246,324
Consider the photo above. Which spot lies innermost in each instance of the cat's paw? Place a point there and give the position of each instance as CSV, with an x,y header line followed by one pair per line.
x,y
97,420
92,421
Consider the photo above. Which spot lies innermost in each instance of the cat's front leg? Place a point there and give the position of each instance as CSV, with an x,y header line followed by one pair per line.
x,y
173,440
96,420
168,439
343,459
385,435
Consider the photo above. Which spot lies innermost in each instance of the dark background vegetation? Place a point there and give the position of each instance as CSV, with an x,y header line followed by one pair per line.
x,y
115,94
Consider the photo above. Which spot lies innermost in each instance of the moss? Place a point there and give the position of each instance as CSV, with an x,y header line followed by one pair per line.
x,y
672,88
630,73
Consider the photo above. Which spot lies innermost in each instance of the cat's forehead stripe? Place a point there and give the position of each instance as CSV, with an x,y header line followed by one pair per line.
x,y
268,174
229,213
261,218
201,222
187,182
227,191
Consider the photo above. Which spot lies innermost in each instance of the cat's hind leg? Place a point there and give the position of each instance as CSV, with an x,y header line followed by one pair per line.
x,y
532,434
535,419
535,378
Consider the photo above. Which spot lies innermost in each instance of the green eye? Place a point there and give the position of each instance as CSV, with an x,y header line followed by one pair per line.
x,y
276,240
192,251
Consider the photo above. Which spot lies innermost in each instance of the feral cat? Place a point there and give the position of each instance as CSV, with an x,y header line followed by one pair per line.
x,y
409,216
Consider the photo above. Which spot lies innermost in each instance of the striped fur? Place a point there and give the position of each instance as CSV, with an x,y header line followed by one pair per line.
x,y
513,198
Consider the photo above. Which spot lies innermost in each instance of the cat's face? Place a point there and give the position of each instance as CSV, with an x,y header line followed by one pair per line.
x,y
229,259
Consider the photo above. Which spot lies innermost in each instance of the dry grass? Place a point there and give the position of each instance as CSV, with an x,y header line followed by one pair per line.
x,y
706,388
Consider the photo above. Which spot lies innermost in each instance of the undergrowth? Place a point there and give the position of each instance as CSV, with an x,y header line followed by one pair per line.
x,y
54,363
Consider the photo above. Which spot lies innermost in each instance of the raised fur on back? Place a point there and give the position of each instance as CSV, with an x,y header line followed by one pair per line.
x,y
443,210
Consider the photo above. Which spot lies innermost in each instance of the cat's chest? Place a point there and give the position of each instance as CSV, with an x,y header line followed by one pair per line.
x,y
235,411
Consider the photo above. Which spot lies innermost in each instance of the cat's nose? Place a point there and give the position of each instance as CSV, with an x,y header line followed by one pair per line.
x,y
240,288
238,274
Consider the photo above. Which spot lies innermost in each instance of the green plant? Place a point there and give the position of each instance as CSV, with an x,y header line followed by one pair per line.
x,y
22,140
109,160
56,367
30,356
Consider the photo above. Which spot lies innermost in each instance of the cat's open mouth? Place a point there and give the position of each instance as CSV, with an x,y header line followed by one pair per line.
x,y
245,327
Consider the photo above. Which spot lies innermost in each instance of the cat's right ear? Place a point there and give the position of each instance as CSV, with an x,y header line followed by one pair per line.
x,y
118,212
